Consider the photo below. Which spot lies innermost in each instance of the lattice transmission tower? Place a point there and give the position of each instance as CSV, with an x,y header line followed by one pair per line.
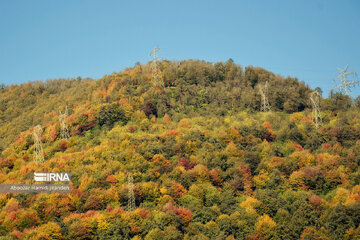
x,y
64,131
131,200
156,75
38,150
315,102
345,84
265,105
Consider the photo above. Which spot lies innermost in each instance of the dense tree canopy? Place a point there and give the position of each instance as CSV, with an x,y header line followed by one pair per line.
x,y
206,163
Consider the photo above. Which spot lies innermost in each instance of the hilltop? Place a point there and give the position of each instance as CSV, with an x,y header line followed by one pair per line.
x,y
194,88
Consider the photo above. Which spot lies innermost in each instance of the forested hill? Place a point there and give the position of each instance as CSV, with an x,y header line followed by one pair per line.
x,y
191,87
207,164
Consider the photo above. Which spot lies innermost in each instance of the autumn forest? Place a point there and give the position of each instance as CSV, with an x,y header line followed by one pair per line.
x,y
206,162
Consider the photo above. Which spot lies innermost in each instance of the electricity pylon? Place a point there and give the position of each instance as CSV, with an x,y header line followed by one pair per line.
x,y
38,150
265,106
345,85
315,102
131,200
157,79
64,131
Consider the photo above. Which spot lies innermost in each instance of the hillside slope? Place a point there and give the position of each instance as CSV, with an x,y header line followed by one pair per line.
x,y
206,163
191,87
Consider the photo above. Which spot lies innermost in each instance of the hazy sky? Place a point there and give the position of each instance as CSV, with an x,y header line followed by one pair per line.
x,y
42,39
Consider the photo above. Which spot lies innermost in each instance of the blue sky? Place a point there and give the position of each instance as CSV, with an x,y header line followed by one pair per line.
x,y
43,39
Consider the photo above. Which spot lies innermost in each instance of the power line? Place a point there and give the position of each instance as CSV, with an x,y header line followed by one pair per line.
x,y
38,150
315,102
156,75
64,131
265,105
345,85
131,200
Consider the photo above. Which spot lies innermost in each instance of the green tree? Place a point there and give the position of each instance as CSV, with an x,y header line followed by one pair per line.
x,y
111,113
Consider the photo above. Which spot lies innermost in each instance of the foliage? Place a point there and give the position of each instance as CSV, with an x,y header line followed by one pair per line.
x,y
206,164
